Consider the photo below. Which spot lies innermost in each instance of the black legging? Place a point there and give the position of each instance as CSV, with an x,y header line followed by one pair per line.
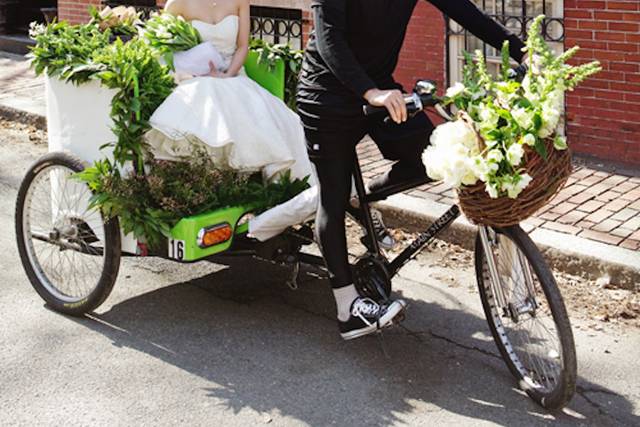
x,y
333,155
334,174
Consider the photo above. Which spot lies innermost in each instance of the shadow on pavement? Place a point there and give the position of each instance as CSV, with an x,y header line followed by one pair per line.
x,y
274,350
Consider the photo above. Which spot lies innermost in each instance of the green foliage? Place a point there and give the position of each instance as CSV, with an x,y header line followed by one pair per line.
x,y
142,84
168,34
67,51
150,205
270,53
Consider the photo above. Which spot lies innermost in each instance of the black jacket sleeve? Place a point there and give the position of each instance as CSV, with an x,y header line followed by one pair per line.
x,y
330,26
467,14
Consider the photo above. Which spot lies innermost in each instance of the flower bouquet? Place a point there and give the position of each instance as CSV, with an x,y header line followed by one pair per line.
x,y
504,153
121,20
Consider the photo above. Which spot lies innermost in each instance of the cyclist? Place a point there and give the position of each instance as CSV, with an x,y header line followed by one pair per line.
x,y
349,61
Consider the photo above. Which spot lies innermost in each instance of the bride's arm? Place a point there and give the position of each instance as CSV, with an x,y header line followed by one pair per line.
x,y
243,40
174,7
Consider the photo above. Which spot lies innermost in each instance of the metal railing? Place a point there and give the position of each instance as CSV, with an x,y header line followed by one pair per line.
x,y
271,24
515,15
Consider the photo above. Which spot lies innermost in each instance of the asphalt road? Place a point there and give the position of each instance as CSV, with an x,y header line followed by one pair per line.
x,y
209,344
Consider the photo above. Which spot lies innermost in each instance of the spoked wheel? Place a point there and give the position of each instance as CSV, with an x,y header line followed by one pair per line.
x,y
526,315
69,252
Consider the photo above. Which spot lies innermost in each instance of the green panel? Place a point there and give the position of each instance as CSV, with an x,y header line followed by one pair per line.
x,y
183,244
270,79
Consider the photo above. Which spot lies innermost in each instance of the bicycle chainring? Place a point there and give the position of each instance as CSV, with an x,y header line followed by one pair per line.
x,y
372,279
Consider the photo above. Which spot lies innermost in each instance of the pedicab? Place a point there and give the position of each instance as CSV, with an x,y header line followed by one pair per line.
x,y
71,253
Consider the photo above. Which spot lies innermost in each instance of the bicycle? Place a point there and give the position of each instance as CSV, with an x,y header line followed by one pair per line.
x,y
71,255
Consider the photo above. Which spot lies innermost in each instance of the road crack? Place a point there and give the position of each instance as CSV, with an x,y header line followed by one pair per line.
x,y
584,391
418,335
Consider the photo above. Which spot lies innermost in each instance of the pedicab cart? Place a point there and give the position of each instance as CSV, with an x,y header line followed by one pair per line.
x,y
71,251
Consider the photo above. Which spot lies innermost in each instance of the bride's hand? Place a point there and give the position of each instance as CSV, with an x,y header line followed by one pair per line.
x,y
214,72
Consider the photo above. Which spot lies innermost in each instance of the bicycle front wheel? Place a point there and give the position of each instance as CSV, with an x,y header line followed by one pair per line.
x,y
526,314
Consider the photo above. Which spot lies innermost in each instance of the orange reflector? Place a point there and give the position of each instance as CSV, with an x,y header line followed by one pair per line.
x,y
215,235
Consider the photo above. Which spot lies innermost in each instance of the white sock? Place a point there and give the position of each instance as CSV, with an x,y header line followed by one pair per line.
x,y
344,297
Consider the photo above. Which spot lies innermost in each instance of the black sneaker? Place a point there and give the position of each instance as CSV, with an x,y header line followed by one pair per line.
x,y
385,239
367,316
400,173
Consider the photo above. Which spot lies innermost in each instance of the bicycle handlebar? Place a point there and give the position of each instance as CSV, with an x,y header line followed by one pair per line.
x,y
415,103
424,96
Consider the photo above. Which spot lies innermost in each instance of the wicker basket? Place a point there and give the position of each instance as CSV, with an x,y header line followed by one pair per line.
x,y
549,176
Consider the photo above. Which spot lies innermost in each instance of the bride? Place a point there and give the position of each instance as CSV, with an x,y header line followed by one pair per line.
x,y
241,125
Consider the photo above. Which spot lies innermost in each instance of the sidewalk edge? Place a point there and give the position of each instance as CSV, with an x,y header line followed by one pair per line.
x,y
21,116
567,253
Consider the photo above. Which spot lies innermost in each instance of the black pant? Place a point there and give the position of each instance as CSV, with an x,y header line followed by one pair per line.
x,y
333,155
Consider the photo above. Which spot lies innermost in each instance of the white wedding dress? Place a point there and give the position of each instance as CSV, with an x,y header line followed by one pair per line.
x,y
241,126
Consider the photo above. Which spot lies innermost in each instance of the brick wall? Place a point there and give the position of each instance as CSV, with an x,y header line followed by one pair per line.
x,y
423,53
75,11
604,113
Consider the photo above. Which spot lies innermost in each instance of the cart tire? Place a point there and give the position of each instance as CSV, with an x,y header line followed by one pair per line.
x,y
545,369
104,257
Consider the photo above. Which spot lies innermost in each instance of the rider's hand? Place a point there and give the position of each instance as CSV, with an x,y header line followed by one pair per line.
x,y
393,100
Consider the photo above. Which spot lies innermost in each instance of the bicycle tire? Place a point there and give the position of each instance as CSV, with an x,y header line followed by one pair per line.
x,y
111,250
564,388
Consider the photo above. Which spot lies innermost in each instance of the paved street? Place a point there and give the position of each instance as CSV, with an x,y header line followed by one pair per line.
x,y
209,344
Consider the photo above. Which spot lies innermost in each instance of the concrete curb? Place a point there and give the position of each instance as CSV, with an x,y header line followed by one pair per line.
x,y
567,253
9,112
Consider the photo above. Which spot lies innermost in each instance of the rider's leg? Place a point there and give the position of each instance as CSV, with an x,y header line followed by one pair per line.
x,y
357,316
334,176
404,143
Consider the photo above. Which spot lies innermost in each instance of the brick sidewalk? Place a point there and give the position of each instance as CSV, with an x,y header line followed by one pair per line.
x,y
595,205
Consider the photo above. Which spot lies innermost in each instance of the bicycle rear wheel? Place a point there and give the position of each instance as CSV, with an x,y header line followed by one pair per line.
x,y
71,254
526,315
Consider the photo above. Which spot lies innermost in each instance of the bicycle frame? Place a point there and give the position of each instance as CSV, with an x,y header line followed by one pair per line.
x,y
437,227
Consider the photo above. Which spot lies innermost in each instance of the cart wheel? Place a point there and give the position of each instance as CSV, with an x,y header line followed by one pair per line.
x,y
69,252
526,315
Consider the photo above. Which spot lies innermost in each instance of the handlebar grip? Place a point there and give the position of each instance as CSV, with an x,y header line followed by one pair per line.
x,y
519,73
370,110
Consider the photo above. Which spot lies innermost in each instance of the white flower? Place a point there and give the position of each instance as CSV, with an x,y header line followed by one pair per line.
x,y
449,158
550,120
455,90
488,116
560,143
515,154
523,118
515,186
529,139
495,156
492,190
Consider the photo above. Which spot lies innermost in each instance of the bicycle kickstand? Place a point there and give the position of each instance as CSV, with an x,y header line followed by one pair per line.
x,y
292,283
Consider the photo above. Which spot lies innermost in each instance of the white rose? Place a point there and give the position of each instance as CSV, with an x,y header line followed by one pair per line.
x,y
515,154
455,90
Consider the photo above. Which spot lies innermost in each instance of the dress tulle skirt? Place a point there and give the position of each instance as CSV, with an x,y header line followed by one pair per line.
x,y
237,122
